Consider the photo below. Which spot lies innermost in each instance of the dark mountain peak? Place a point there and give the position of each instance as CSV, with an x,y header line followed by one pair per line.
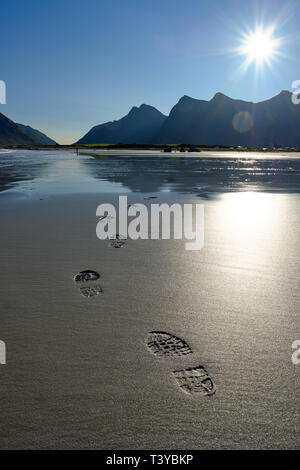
x,y
185,99
186,104
140,125
12,133
220,97
143,109
146,106
282,98
285,93
133,112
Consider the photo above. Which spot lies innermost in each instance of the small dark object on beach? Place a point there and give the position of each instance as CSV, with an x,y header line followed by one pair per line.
x,y
203,195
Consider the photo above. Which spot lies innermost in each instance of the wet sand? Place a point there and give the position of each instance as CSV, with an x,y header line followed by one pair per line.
x,y
79,373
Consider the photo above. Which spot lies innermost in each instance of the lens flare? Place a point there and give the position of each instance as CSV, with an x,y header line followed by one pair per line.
x,y
242,121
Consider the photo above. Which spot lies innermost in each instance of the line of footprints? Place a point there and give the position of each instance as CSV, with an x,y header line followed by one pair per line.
x,y
194,380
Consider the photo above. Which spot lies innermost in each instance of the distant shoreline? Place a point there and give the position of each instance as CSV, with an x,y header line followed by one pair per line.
x,y
167,148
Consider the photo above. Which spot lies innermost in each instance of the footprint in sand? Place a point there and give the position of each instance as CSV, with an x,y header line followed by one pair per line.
x,y
193,380
117,242
86,281
165,344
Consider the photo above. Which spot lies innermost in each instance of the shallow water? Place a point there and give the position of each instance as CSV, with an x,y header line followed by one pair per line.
x,y
40,173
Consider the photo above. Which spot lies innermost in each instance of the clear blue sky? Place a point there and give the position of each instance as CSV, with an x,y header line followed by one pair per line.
x,y
72,64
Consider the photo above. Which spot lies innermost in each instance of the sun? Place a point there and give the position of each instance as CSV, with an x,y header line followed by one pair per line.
x,y
259,46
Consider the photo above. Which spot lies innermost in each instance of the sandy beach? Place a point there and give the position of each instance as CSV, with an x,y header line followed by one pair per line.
x,y
79,373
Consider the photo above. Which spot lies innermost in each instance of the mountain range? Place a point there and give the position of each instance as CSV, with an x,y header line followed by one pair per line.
x,y
12,133
220,121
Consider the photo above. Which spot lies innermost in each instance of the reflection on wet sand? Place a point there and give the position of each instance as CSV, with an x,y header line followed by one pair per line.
x,y
64,171
198,175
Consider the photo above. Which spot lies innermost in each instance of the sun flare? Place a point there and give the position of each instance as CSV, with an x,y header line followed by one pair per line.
x,y
259,46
